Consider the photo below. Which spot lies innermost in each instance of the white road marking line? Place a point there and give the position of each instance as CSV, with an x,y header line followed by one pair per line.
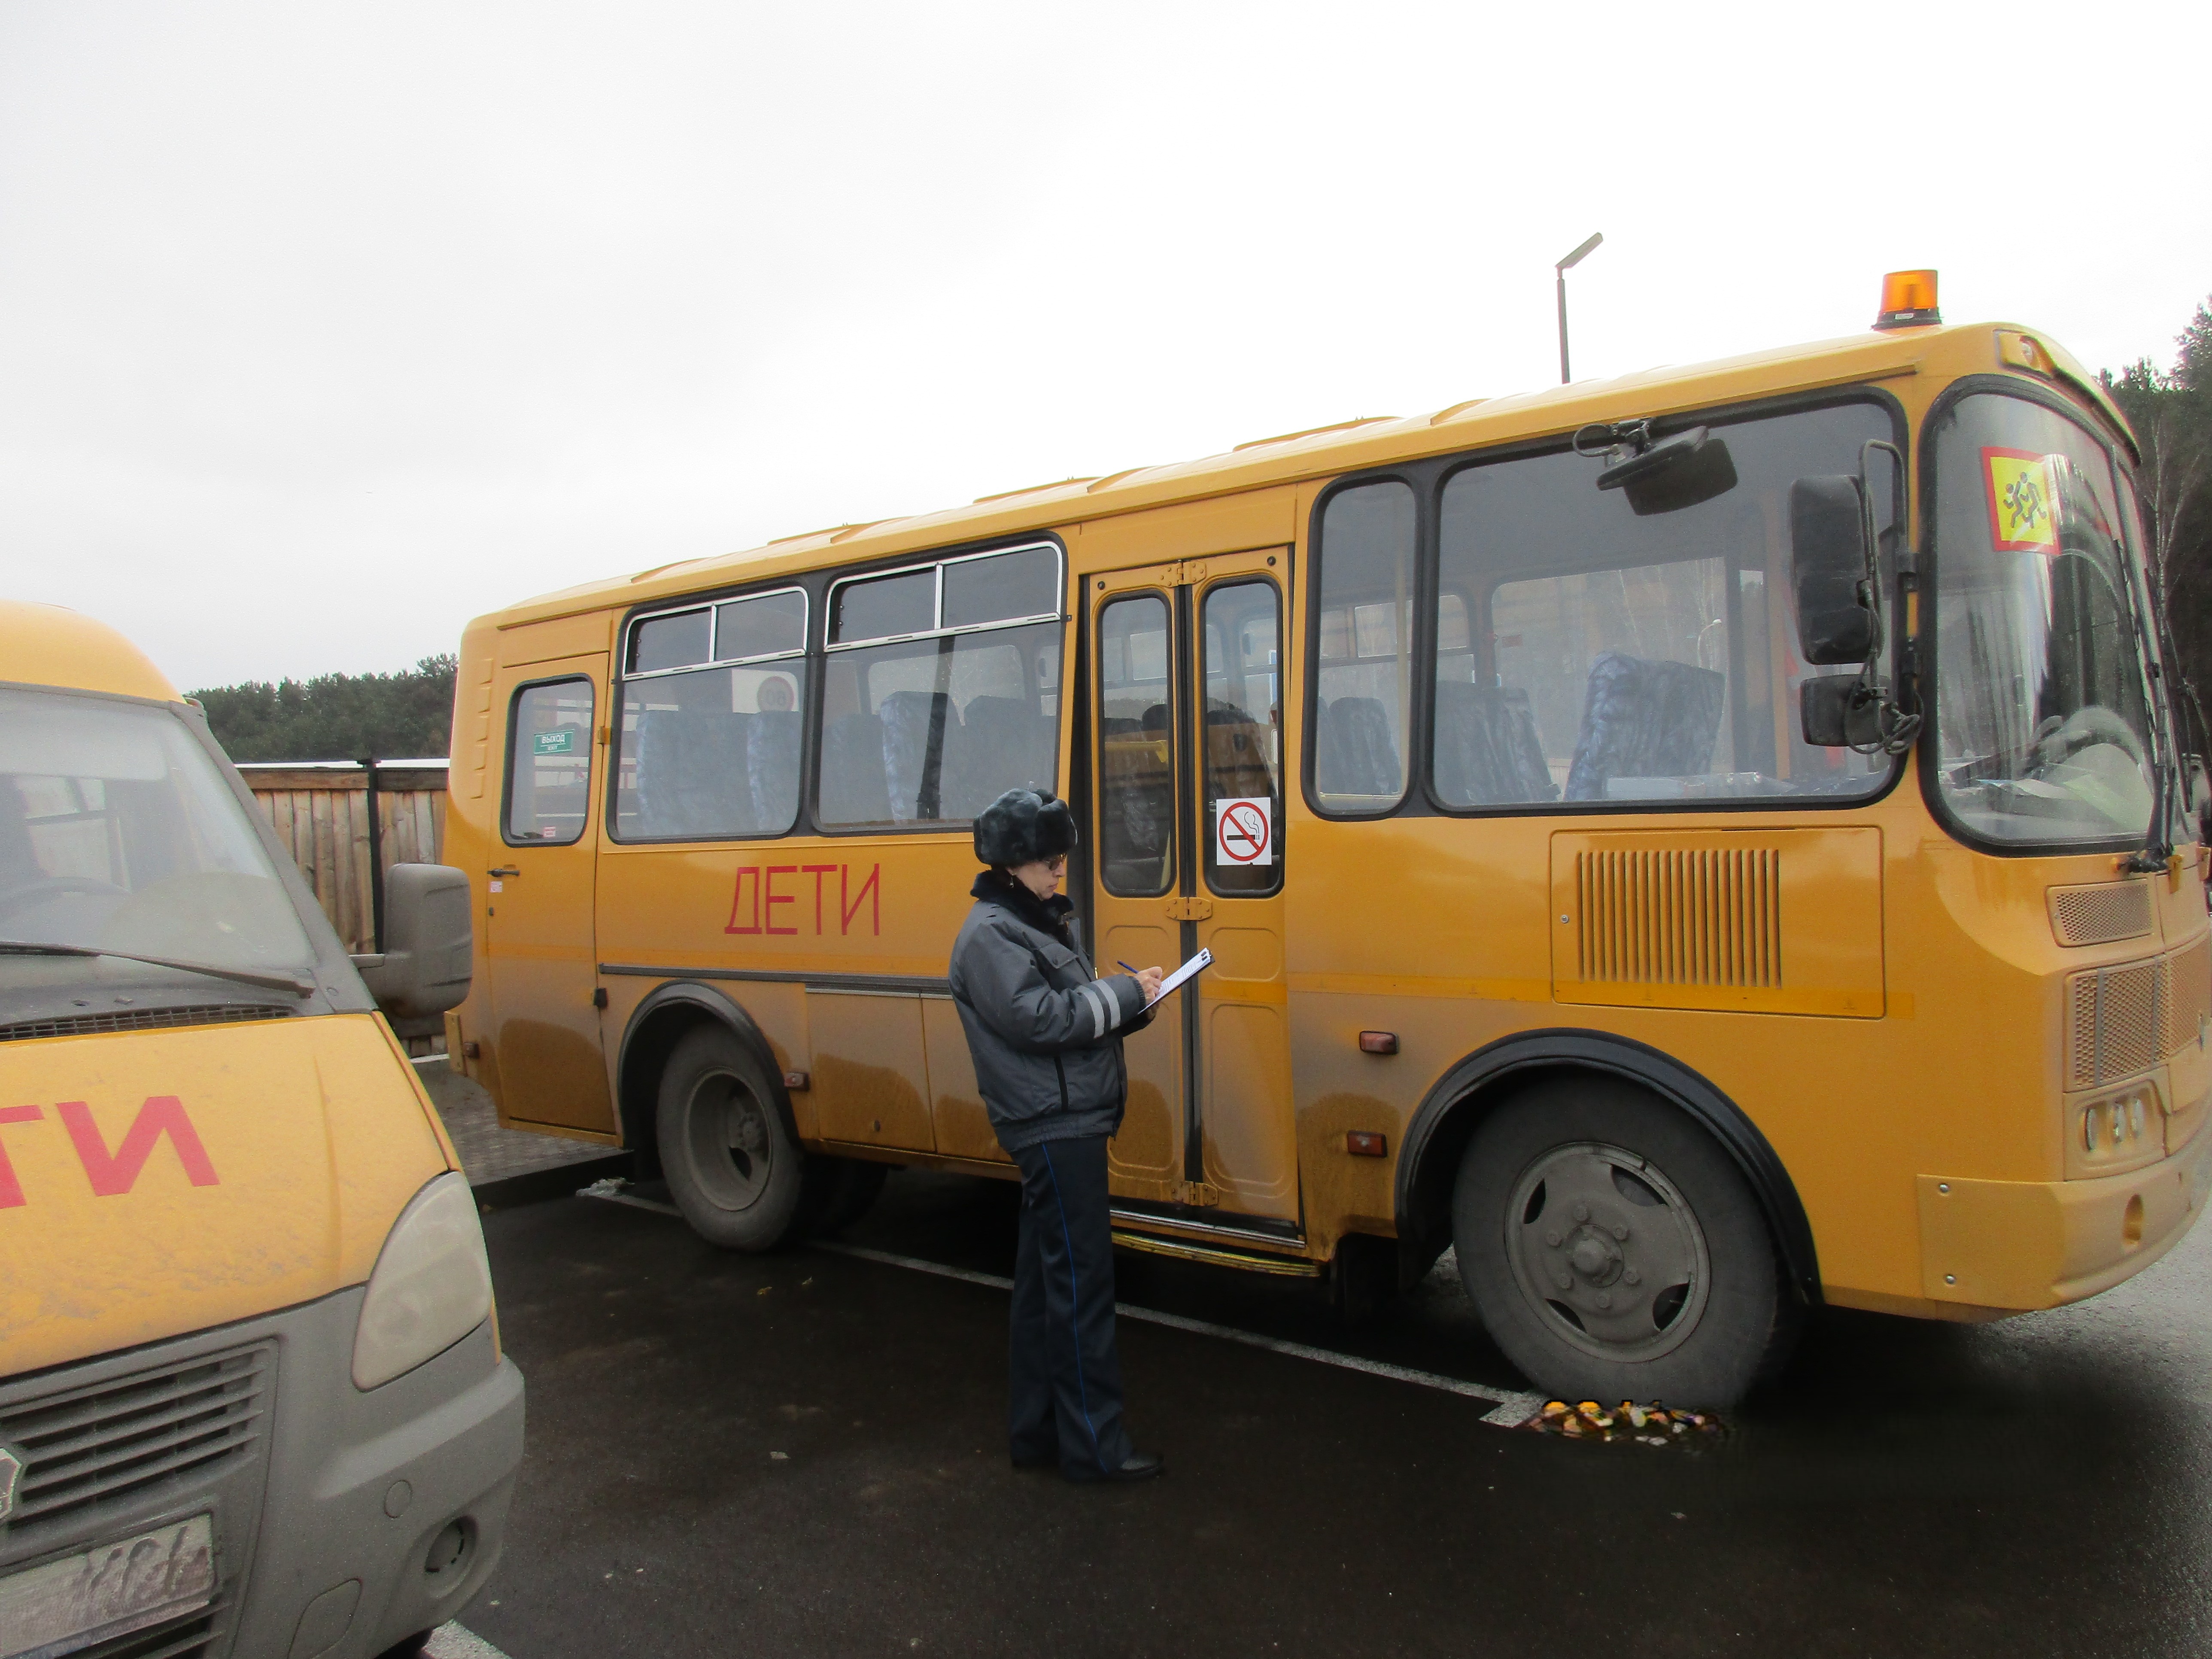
x,y
459,1642
1508,1411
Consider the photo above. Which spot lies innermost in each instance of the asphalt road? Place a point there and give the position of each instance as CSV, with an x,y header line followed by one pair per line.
x,y
804,1454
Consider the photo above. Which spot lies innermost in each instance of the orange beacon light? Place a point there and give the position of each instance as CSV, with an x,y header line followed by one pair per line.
x,y
1908,300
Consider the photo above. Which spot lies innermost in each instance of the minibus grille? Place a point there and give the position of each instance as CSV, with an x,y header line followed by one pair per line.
x,y
1680,916
215,1013
97,1443
2124,1020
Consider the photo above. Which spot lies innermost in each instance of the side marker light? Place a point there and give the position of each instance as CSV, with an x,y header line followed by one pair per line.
x,y
1364,1143
1378,1043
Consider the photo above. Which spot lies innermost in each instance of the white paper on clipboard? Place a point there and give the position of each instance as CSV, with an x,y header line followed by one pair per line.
x,y
1189,970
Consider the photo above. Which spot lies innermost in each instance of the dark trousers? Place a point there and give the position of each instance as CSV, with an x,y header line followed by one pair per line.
x,y
1066,1374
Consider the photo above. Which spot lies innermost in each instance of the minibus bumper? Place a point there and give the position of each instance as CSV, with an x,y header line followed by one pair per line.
x,y
357,1548
2014,1246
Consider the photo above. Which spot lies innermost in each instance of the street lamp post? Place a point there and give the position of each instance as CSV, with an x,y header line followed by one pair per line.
x,y
1562,269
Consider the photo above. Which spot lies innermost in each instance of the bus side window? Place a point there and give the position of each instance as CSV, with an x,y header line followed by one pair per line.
x,y
549,762
1365,681
1136,769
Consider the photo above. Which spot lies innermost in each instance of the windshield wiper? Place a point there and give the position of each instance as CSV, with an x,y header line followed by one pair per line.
x,y
296,986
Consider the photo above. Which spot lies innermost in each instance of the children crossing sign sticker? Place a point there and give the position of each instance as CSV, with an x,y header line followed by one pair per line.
x,y
2023,501
1244,830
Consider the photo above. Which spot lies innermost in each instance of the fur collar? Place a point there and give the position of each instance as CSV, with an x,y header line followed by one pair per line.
x,y
1046,915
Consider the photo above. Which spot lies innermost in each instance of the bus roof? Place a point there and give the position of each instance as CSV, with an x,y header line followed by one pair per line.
x,y
1344,446
48,645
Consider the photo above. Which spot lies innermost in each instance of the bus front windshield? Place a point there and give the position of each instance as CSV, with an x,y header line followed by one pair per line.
x,y
2042,711
117,833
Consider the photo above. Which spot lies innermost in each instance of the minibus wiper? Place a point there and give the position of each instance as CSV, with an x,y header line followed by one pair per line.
x,y
297,987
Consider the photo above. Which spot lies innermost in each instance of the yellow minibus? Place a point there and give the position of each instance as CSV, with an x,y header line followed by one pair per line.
x,y
1705,844
252,1396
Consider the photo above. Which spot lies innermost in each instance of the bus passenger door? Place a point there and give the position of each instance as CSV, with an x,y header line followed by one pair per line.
x,y
544,977
1188,758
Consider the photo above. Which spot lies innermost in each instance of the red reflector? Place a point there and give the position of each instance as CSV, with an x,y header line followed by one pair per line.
x,y
1364,1143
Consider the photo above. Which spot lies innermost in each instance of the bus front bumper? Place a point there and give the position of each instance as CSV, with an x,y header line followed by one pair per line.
x,y
2014,1246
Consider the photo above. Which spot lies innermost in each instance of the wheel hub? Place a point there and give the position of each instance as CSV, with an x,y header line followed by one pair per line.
x,y
1608,1251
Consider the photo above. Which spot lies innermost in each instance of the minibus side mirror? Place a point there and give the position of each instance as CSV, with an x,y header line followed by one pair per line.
x,y
1683,471
1831,551
425,966
1839,711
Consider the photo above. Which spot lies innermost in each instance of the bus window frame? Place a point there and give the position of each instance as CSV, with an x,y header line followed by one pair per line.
x,y
1416,641
2120,456
834,577
684,606
1427,477
506,782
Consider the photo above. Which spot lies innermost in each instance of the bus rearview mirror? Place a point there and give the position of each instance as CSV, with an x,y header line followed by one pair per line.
x,y
1829,554
426,961
1683,471
1836,711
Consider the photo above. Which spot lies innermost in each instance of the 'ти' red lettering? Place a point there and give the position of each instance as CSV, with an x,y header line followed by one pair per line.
x,y
118,1172
11,1190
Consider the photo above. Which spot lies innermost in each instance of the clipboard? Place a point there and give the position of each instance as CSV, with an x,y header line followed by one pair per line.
x,y
1176,980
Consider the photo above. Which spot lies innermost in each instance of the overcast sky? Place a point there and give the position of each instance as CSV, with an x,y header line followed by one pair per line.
x,y
326,327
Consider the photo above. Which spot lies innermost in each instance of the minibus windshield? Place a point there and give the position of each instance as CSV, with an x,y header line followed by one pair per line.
x,y
2042,714
117,833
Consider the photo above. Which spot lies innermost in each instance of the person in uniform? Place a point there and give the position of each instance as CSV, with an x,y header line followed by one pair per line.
x,y
1046,1035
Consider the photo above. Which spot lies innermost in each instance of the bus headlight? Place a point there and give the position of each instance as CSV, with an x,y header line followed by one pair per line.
x,y
431,1287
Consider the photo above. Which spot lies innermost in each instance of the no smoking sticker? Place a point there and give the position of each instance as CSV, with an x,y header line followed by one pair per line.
x,y
1244,830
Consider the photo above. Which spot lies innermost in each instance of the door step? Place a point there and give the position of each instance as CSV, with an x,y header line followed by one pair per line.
x,y
1286,1266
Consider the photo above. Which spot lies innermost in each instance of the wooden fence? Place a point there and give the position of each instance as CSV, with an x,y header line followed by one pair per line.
x,y
320,809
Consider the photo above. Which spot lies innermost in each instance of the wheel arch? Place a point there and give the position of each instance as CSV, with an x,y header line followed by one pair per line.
x,y
1449,1114
656,1024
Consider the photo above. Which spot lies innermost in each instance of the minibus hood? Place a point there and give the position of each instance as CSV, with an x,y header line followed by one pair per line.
x,y
155,1182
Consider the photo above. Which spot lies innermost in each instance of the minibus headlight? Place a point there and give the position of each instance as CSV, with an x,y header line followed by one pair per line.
x,y
431,1287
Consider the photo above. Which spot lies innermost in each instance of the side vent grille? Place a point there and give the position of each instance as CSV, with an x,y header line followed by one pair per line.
x,y
2102,914
2123,1020
1680,917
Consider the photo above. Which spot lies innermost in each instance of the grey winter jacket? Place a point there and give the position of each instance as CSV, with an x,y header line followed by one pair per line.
x,y
1045,1033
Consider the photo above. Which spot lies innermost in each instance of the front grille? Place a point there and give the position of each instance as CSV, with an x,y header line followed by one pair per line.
x,y
2124,1020
214,1013
1680,917
98,1443
2100,914
185,1637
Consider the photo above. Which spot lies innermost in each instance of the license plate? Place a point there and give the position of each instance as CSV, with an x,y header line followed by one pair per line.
x,y
79,1600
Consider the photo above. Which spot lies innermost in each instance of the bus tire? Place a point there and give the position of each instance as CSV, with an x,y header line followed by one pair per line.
x,y
852,1186
732,1166
1614,1252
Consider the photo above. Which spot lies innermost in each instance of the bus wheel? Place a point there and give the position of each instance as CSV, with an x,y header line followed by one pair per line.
x,y
1614,1253
733,1168
854,1185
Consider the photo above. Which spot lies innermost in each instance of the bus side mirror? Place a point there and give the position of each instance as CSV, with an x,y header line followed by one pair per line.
x,y
428,943
1831,551
1839,711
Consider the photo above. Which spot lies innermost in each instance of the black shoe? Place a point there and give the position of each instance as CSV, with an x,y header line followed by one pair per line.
x,y
1137,1466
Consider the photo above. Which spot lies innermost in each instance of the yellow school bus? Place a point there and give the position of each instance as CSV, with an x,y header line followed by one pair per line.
x,y
1704,845
252,1396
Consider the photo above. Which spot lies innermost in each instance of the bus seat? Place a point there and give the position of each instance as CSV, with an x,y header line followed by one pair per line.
x,y
690,773
1642,719
1237,753
1357,755
772,769
999,743
853,789
914,724
1488,753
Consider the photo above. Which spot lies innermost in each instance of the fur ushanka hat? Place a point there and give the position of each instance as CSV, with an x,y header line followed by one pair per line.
x,y
1024,827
